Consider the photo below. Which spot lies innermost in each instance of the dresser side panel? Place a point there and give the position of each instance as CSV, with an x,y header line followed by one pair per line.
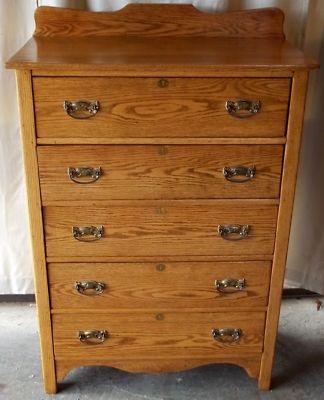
x,y
25,98
290,168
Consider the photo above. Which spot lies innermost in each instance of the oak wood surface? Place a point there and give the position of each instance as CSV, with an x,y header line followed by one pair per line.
x,y
168,285
158,44
86,311
291,158
158,20
141,108
188,71
200,140
136,335
28,137
250,362
166,258
158,228
158,172
167,56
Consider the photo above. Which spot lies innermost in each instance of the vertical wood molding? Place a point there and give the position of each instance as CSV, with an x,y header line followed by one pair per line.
x,y
294,132
28,136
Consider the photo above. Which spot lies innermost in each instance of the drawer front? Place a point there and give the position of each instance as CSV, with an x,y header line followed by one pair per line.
x,y
151,107
157,334
159,172
169,285
160,228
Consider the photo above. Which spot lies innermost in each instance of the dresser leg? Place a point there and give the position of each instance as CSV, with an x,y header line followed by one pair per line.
x,y
26,106
50,387
266,368
49,372
264,382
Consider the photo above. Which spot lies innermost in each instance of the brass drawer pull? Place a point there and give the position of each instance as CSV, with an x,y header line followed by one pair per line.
x,y
227,335
87,233
222,285
77,174
94,287
249,108
81,109
92,337
239,174
239,231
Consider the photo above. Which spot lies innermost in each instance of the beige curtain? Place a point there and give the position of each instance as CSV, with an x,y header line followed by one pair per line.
x,y
303,28
16,276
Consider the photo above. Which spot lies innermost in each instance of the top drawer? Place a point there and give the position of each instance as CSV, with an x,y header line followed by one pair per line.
x,y
154,107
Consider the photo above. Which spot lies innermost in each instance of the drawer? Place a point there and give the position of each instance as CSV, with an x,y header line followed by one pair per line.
x,y
140,334
158,172
169,285
159,228
151,107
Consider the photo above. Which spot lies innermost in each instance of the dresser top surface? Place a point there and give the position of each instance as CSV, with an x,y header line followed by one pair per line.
x,y
153,38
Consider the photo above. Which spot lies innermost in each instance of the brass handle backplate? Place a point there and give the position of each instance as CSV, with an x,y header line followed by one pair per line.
x,y
239,174
93,337
233,232
227,335
81,109
222,285
243,108
89,288
87,233
84,175
163,83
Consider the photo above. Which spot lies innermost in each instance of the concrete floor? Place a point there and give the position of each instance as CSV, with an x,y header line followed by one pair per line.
x,y
298,372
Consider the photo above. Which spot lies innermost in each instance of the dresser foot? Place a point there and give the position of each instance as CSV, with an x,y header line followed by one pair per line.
x,y
264,385
264,382
50,387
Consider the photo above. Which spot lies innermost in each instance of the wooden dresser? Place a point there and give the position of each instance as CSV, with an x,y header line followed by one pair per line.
x,y
161,149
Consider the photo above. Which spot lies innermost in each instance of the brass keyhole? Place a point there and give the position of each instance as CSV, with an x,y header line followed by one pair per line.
x,y
163,83
160,267
162,150
161,210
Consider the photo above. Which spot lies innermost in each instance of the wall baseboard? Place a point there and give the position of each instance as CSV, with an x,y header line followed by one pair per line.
x,y
17,298
298,293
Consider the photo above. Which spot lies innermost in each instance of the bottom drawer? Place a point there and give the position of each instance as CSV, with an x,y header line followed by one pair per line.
x,y
149,334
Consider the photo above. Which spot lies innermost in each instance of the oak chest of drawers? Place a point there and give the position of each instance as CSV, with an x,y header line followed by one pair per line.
x,y
161,149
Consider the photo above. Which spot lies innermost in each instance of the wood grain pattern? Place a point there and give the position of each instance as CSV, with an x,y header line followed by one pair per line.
x,y
165,56
158,228
190,107
295,126
28,136
158,172
140,335
173,258
158,20
161,141
164,285
202,70
251,364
